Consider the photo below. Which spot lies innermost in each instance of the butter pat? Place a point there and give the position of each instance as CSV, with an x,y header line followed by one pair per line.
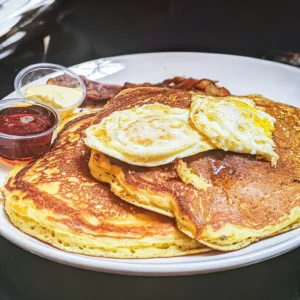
x,y
56,96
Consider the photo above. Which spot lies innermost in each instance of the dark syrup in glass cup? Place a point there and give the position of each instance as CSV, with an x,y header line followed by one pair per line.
x,y
26,129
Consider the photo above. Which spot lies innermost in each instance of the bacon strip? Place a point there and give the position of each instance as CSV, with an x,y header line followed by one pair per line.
x,y
97,91
203,86
94,90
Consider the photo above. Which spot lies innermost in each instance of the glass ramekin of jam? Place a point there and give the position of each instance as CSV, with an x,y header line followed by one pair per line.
x,y
51,84
26,129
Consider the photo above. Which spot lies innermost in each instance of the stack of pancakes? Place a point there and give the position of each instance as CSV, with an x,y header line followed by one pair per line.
x,y
63,198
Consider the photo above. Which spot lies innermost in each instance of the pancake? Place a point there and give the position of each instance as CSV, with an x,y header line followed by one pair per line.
x,y
144,187
56,200
244,200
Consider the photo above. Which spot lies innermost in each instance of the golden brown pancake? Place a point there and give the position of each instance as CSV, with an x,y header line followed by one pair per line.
x,y
56,200
144,187
248,198
145,95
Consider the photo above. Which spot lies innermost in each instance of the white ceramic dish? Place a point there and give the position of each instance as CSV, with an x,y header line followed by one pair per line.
x,y
241,76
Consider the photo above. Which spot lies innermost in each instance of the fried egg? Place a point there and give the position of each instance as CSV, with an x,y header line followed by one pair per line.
x,y
235,124
150,135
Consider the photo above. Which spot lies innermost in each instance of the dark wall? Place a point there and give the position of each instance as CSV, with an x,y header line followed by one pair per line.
x,y
103,28
90,29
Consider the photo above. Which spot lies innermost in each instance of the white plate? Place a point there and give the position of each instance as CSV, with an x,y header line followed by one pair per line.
x,y
241,76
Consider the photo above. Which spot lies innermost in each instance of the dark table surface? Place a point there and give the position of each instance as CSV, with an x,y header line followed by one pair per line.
x,y
85,30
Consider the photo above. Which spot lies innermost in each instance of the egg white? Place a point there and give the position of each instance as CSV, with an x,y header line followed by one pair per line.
x,y
234,124
150,135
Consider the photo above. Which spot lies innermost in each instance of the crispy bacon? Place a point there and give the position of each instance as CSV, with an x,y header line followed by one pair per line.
x,y
94,90
97,91
204,86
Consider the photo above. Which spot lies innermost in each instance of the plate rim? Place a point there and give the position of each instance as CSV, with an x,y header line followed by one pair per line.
x,y
286,66
101,264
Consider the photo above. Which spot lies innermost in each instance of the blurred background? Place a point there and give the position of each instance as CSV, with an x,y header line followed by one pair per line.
x,y
68,32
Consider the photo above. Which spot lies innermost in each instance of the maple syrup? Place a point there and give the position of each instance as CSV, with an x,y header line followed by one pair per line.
x,y
26,129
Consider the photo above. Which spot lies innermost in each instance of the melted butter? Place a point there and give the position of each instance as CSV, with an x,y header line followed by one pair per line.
x,y
56,96
220,167
222,171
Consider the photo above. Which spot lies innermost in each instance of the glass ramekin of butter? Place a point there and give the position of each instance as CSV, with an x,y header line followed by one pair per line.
x,y
36,82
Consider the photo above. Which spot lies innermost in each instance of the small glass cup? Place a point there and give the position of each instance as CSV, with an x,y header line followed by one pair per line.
x,y
15,148
39,74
